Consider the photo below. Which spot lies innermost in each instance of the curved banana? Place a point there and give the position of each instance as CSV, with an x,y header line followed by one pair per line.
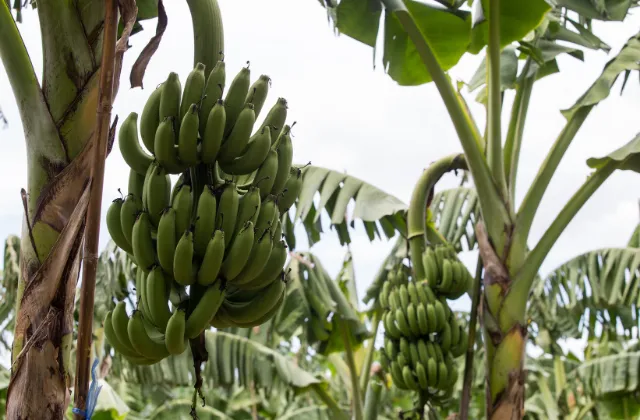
x,y
257,94
129,144
228,212
248,208
164,146
170,99
252,157
114,225
158,194
239,136
193,91
188,137
150,119
141,341
285,157
412,318
266,174
136,183
234,99
239,252
407,376
213,133
205,310
130,208
112,338
276,118
166,239
157,298
120,321
291,190
205,220
182,260
174,337
142,244
183,205
250,311
212,94
212,259
271,270
260,253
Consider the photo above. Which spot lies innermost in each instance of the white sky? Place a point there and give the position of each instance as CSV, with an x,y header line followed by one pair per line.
x,y
354,118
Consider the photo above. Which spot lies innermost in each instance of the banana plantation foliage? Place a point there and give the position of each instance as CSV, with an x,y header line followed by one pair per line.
x,y
206,307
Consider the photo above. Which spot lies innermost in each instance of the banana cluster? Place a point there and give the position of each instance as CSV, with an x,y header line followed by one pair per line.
x,y
209,249
422,334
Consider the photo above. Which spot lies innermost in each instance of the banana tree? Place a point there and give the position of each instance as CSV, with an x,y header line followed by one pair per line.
x,y
415,53
59,121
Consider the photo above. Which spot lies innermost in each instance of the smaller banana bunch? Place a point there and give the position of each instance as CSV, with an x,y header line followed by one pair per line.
x,y
422,334
209,249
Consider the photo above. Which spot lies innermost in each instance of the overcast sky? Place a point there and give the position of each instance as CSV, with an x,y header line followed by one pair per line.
x,y
351,117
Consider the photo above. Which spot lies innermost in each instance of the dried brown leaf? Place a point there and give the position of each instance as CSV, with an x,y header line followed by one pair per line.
x,y
129,12
140,66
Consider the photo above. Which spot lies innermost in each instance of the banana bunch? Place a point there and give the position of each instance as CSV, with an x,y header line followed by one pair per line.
x,y
422,334
209,248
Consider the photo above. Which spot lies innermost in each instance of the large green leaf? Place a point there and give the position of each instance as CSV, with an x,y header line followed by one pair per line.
x,y
517,19
627,59
447,27
329,191
599,286
626,158
598,9
611,376
235,359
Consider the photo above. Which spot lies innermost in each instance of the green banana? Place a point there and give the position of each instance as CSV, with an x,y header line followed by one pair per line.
x,y
136,183
291,190
431,318
143,304
384,295
260,253
252,157
390,327
421,373
440,316
188,137
142,243
407,376
397,376
403,325
250,311
447,276
120,320
182,260
277,233
150,119
205,310
432,373
193,91
112,338
271,270
276,118
423,353
412,318
158,194
421,313
170,99
213,133
238,139
141,341
174,336
257,94
443,376
114,225
266,174
403,293
164,146
234,99
430,265
267,215
228,212
157,298
445,338
129,144
166,239
130,208
285,158
413,293
205,220
239,252
248,208
212,94
183,205
212,259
